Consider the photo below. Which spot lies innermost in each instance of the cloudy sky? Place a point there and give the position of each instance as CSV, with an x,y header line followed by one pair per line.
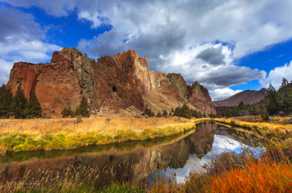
x,y
226,45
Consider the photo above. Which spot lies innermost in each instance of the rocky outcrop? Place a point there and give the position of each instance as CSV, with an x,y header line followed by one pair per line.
x,y
111,84
199,97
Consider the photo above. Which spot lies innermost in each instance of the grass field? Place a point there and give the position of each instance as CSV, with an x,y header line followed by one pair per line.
x,y
261,176
53,134
270,133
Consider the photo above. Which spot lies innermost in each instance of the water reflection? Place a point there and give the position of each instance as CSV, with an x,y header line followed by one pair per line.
x,y
221,144
178,156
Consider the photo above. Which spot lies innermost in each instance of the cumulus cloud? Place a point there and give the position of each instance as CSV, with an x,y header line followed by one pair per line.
x,y
222,93
176,35
248,23
212,56
16,23
189,63
21,39
276,75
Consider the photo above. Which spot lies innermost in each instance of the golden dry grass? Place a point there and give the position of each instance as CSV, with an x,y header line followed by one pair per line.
x,y
268,126
49,134
267,133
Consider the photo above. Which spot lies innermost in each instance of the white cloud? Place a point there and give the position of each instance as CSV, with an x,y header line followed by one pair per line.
x,y
222,93
276,75
21,39
14,50
28,50
4,70
248,23
215,71
173,34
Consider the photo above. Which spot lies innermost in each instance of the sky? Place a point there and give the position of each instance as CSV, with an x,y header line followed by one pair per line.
x,y
228,46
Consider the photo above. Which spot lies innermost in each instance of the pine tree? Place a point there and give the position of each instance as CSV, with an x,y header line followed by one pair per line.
x,y
19,104
33,108
272,102
6,100
284,83
83,108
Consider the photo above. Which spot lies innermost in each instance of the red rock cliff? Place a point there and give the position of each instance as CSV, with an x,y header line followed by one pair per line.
x,y
111,84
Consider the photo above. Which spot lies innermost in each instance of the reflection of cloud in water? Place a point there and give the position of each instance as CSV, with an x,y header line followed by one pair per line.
x,y
221,144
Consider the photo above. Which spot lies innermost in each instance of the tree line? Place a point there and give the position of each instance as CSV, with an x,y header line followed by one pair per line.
x,y
181,111
18,106
82,110
279,101
276,102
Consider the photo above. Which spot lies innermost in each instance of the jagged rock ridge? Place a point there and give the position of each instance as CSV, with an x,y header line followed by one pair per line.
x,y
111,84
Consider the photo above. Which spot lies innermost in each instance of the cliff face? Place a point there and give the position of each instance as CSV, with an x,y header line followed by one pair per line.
x,y
121,83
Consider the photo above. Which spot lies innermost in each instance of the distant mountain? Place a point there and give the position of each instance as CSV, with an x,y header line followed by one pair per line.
x,y
247,97
111,84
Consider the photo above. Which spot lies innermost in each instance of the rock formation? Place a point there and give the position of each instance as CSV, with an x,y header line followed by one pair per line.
x,y
111,84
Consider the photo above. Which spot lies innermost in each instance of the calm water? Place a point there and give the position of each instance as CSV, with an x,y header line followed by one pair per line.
x,y
173,158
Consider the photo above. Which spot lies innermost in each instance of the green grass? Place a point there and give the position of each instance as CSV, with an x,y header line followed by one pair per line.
x,y
114,188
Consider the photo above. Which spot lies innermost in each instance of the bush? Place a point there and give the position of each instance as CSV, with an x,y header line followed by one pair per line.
x,y
256,177
67,112
185,111
265,117
83,109
148,113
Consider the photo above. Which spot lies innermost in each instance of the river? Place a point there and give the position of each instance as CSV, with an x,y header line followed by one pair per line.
x,y
135,163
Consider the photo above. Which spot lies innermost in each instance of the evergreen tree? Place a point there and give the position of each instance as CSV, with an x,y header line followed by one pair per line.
x,y
19,104
6,100
284,83
83,108
33,108
272,103
67,112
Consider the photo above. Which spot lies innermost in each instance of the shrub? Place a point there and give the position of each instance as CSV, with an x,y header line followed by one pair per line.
x,y
67,112
265,117
148,113
185,111
259,177
83,108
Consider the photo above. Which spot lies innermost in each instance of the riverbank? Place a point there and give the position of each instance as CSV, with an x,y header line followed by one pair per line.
x,y
81,173
62,134
261,133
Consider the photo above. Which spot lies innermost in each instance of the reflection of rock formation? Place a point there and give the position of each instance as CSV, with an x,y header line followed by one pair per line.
x,y
104,168
202,140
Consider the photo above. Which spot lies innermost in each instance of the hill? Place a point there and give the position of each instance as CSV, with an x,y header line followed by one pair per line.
x,y
247,97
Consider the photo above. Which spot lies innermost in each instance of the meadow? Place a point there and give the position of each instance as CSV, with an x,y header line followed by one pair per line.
x,y
69,133
268,133
59,134
228,173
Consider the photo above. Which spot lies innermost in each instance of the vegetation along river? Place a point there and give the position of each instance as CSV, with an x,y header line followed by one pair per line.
x,y
135,163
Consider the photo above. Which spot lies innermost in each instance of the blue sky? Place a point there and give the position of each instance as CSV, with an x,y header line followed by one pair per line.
x,y
226,45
